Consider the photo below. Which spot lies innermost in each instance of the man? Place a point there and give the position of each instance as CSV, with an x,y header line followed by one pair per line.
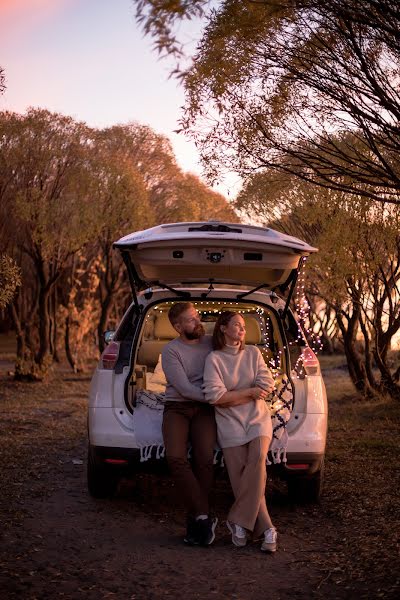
x,y
189,420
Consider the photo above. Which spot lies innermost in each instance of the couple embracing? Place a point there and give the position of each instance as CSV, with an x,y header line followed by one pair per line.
x,y
216,391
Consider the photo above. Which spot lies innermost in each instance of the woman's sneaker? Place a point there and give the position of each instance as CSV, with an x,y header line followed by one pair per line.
x,y
270,540
239,534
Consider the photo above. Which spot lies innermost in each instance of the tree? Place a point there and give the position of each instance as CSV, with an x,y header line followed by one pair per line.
x,y
124,204
10,279
356,272
271,82
158,20
44,193
192,200
2,81
67,192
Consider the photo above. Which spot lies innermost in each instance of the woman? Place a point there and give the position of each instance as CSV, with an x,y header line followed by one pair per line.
x,y
237,382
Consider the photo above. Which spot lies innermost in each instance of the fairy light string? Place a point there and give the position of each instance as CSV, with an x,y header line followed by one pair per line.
x,y
274,358
305,328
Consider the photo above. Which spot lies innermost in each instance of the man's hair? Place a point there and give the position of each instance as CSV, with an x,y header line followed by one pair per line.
x,y
176,310
218,338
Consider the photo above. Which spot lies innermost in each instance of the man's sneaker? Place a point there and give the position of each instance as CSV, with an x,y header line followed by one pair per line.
x,y
270,539
206,530
192,537
239,534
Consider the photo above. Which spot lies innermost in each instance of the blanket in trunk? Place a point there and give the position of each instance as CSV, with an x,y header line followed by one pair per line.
x,y
148,416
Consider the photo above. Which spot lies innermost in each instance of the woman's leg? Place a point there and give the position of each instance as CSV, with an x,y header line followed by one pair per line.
x,y
263,520
247,473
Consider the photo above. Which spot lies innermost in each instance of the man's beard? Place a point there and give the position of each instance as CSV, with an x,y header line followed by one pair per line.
x,y
197,332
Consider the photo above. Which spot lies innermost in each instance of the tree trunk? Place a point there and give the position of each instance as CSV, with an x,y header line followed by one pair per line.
x,y
355,364
44,327
21,343
388,382
68,352
54,306
368,356
106,307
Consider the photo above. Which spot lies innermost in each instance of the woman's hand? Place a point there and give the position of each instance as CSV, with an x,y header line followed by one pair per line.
x,y
243,396
257,393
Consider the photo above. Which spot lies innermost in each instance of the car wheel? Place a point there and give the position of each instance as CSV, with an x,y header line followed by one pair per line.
x,y
306,490
101,481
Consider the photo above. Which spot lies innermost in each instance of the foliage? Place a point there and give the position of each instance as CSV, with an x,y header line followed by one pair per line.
x,y
158,19
307,87
2,81
45,195
10,279
356,272
67,192
79,318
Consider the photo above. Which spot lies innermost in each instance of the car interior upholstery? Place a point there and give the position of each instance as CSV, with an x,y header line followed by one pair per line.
x,y
158,331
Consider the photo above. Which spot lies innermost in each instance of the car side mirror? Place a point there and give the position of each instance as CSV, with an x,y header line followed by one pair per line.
x,y
108,336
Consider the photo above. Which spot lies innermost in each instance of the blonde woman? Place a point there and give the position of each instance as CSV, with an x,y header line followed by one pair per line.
x,y
237,382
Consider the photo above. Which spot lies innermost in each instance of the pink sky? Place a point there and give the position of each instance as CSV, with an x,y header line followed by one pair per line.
x,y
89,60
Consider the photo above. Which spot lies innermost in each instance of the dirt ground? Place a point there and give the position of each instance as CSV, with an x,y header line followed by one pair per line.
x,y
58,542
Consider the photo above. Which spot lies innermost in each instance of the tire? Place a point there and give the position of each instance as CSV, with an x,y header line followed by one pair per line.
x,y
306,490
101,481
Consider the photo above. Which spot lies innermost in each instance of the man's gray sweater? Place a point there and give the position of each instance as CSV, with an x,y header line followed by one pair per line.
x,y
183,365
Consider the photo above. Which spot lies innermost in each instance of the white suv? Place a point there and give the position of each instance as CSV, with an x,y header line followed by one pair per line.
x,y
216,266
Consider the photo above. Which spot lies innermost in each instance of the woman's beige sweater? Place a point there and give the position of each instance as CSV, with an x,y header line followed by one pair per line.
x,y
233,369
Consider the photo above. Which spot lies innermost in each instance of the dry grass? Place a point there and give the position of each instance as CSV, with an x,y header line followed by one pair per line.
x,y
357,521
361,488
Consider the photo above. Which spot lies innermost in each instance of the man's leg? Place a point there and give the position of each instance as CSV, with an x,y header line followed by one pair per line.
x,y
176,427
203,436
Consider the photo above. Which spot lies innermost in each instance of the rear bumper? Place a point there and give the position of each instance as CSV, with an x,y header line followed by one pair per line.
x,y
128,459
300,464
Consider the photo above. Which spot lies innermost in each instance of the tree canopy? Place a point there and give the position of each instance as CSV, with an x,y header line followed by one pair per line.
x,y
307,87
67,192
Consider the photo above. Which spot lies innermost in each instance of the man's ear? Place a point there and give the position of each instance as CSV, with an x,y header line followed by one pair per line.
x,y
178,327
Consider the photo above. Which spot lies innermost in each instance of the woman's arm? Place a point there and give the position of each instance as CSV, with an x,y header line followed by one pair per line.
x,y
264,378
238,397
216,392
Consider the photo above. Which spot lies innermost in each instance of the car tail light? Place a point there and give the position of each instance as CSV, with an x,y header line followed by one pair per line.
x,y
116,461
299,467
310,362
109,357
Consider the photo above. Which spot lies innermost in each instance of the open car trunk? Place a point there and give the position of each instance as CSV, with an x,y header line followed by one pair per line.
x,y
262,330
213,252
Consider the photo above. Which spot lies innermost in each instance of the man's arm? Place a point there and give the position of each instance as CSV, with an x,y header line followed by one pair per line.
x,y
176,376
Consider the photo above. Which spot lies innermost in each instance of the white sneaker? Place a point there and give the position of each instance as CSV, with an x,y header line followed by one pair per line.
x,y
270,540
239,534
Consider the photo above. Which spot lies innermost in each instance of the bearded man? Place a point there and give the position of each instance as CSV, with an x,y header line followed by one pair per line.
x,y
189,421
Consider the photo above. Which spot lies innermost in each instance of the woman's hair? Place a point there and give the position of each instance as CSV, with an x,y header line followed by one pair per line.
x,y
218,338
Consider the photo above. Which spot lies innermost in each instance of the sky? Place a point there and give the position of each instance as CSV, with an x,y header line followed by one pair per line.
x,y
88,59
